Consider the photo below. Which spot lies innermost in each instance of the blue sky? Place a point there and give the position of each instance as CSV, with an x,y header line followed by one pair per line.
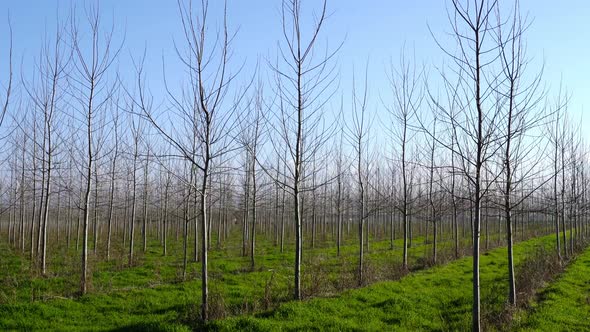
x,y
374,30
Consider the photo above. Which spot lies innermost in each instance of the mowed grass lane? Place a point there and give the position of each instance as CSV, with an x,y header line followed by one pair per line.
x,y
565,304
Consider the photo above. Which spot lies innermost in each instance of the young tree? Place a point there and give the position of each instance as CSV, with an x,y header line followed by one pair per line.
x,y
557,139
250,137
92,92
46,95
303,82
165,219
431,194
33,187
136,134
407,93
473,25
358,135
114,156
521,115
203,105
339,189
144,229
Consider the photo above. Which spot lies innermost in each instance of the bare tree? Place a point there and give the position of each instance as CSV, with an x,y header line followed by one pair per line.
x,y
46,94
250,137
33,187
407,92
144,229
473,25
115,155
431,194
521,116
165,220
203,105
303,81
358,135
136,133
92,92
557,139
339,190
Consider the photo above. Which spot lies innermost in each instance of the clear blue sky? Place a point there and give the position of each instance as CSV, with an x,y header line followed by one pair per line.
x,y
374,29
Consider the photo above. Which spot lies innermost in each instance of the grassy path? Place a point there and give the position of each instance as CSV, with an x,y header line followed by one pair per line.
x,y
434,299
565,304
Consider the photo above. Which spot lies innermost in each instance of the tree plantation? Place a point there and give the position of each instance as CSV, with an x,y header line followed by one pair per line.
x,y
289,192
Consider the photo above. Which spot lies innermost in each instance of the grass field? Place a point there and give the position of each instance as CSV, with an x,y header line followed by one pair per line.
x,y
151,296
152,293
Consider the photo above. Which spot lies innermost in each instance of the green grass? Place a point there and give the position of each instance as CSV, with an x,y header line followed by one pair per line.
x,y
565,304
437,299
151,294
